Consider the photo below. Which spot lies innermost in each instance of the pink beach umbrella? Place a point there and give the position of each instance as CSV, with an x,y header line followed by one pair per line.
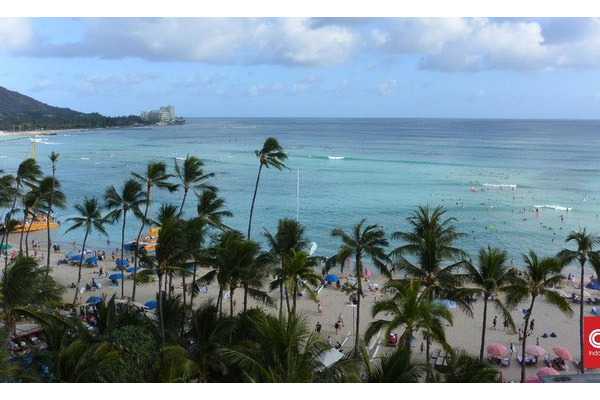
x,y
547,371
535,351
496,350
532,379
562,353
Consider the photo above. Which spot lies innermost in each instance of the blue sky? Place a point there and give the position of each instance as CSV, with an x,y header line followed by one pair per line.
x,y
308,67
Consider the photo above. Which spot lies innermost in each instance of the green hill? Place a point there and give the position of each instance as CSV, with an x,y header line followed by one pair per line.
x,y
20,112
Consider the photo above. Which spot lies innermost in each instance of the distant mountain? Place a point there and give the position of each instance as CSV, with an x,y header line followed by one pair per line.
x,y
20,112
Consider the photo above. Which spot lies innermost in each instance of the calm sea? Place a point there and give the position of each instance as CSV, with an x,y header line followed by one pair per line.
x,y
389,167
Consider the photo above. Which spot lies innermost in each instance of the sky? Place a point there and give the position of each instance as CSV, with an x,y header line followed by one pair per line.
x,y
474,67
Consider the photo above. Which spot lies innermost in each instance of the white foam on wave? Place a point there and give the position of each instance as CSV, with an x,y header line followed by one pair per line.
x,y
335,157
554,207
85,158
500,185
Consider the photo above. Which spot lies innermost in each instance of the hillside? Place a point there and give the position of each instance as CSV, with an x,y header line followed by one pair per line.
x,y
20,112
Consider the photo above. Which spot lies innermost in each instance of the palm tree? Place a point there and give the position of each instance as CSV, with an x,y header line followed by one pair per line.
x,y
491,278
271,155
585,252
209,334
89,218
210,208
431,242
461,367
156,175
130,198
393,368
299,273
28,174
21,285
411,309
192,176
290,235
540,276
30,207
362,242
277,350
54,159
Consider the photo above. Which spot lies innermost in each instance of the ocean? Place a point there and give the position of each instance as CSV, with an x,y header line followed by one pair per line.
x,y
490,175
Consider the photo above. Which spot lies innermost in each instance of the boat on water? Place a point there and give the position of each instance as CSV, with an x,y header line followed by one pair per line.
x,y
38,223
147,242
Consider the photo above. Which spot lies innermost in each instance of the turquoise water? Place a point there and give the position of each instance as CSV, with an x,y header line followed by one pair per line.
x,y
390,166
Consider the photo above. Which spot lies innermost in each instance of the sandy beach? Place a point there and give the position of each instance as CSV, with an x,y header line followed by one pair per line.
x,y
465,333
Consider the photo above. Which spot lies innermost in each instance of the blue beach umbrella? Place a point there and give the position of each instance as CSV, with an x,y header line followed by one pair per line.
x,y
152,304
76,258
115,276
92,260
122,263
131,269
93,299
72,254
332,278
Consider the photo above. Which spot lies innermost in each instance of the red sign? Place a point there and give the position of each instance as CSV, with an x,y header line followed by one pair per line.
x,y
591,342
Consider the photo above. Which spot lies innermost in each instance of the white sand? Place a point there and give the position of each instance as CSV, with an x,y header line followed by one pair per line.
x,y
465,332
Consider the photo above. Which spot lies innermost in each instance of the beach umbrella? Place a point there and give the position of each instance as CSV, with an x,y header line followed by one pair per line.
x,y
532,379
562,353
131,269
76,258
122,263
496,350
446,303
535,351
115,276
92,260
547,371
152,304
72,254
6,246
332,278
190,270
93,299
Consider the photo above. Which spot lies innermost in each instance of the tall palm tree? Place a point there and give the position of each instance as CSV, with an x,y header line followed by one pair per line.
x,y
491,278
299,273
585,252
271,155
192,176
28,173
89,218
54,159
431,242
30,207
412,310
211,209
362,242
155,175
290,235
131,198
539,276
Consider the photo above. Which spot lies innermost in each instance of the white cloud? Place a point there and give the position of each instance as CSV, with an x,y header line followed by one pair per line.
x,y
110,83
43,84
16,35
386,88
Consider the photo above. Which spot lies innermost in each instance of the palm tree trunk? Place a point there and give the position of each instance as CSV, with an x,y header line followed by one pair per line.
x,y
80,263
524,344
193,286
170,283
280,300
160,310
27,238
122,248
135,251
581,366
359,295
230,302
185,192
220,301
250,226
287,300
485,298
22,232
184,306
48,223
295,296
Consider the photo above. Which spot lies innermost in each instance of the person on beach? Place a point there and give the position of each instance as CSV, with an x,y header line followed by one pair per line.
x,y
520,335
531,325
319,309
505,324
318,327
330,340
422,347
337,327
511,350
341,319
494,322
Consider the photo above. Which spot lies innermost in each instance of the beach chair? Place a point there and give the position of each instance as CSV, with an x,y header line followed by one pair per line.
x,y
505,362
435,354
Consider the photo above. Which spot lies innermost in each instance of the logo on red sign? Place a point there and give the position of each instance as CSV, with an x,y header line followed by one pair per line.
x,y
591,342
